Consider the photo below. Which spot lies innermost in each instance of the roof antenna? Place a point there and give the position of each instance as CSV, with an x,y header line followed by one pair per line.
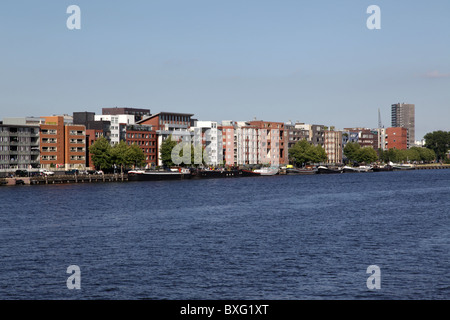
x,y
380,124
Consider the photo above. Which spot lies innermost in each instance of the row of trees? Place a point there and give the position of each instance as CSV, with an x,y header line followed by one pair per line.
x,y
354,153
105,156
304,153
196,157
412,154
439,142
121,155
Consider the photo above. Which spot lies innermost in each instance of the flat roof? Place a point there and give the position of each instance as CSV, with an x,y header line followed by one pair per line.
x,y
165,113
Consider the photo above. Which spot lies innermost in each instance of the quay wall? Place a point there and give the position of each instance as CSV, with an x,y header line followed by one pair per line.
x,y
64,179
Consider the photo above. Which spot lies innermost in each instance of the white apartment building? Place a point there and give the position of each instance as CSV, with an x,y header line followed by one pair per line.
x,y
207,134
118,125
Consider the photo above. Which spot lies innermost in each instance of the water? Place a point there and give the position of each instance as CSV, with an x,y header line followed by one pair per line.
x,y
269,238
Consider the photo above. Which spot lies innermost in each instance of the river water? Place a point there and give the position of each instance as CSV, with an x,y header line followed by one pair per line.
x,y
268,238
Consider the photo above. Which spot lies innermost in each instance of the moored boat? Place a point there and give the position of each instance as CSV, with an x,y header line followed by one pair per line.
x,y
211,174
299,171
152,175
249,173
360,169
382,168
406,166
328,170
271,171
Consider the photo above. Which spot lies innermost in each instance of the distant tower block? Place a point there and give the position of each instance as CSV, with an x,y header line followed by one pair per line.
x,y
403,115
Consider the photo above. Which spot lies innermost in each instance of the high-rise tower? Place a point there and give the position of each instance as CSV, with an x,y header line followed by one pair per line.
x,y
403,115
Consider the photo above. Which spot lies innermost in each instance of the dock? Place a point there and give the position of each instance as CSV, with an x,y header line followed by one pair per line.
x,y
69,179
64,179
432,166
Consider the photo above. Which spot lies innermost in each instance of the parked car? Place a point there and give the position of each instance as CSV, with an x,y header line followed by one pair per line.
x,y
46,172
21,173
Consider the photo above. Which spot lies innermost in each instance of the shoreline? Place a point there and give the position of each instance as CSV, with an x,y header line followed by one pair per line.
x,y
70,179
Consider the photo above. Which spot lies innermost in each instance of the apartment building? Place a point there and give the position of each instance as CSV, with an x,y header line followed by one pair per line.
x,y
397,138
229,146
366,137
145,137
297,132
333,146
273,142
19,147
139,114
403,115
206,134
168,124
118,125
62,145
254,142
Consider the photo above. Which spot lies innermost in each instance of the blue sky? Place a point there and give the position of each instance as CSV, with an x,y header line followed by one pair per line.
x,y
311,61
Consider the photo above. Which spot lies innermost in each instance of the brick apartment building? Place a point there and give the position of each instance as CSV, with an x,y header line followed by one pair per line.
x,y
145,137
397,138
62,145
168,124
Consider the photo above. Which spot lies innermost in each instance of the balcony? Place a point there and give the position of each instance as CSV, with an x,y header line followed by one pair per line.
x,y
48,132
51,141
77,133
77,141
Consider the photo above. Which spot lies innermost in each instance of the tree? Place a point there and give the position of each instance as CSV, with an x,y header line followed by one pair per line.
x,y
166,151
135,155
303,152
367,155
412,154
351,151
299,153
200,151
101,153
318,154
439,142
355,153
427,155
119,154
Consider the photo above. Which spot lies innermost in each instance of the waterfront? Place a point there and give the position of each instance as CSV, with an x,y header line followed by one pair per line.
x,y
280,237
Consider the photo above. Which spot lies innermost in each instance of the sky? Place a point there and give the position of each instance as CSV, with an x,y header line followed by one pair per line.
x,y
286,60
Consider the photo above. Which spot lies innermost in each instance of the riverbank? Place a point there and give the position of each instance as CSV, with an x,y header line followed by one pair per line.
x,y
432,166
65,179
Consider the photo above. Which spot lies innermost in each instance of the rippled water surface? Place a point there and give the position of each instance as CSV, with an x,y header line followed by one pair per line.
x,y
282,237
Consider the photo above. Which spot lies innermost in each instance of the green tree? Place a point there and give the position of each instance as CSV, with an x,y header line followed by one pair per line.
x,y
119,155
427,155
299,154
367,155
198,151
100,152
303,153
439,142
412,154
135,155
318,154
166,151
352,150
390,155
